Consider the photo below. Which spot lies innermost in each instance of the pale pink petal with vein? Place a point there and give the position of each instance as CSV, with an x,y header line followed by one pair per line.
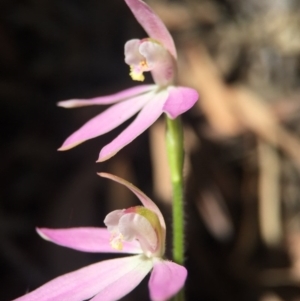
x,y
180,100
132,52
87,240
147,116
106,100
135,226
107,120
159,61
152,24
125,284
166,279
112,219
89,281
147,202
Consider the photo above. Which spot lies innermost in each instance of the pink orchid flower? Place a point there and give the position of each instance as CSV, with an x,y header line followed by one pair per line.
x,y
156,54
138,230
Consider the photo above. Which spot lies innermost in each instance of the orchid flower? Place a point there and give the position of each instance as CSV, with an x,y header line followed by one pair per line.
x,y
156,54
138,230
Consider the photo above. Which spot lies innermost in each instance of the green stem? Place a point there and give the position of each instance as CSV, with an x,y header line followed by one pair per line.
x,y
176,157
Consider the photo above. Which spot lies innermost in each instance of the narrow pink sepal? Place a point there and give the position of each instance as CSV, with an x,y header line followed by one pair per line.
x,y
147,202
91,280
152,24
87,240
179,101
167,278
147,116
106,121
125,284
108,99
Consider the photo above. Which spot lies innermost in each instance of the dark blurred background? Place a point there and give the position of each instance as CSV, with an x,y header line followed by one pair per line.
x,y
242,146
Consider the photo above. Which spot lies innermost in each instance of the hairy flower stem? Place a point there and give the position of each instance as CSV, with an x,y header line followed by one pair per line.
x,y
175,152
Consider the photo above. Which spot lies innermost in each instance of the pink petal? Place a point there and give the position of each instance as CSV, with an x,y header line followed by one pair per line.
x,y
148,203
148,115
87,240
125,284
85,283
152,24
167,278
107,120
180,100
106,100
